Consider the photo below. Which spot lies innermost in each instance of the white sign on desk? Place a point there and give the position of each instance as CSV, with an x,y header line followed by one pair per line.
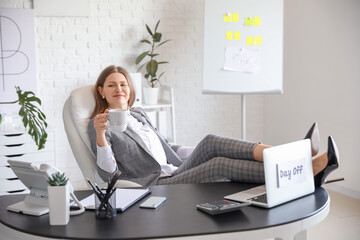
x,y
291,172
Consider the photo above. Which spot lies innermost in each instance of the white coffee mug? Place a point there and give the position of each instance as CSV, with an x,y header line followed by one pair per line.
x,y
118,120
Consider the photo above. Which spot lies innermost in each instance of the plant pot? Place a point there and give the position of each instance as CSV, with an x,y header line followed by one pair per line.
x,y
59,204
150,95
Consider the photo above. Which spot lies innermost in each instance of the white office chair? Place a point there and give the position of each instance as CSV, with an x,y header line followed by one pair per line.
x,y
76,116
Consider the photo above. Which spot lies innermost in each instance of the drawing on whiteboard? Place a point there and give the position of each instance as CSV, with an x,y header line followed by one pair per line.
x,y
242,59
13,61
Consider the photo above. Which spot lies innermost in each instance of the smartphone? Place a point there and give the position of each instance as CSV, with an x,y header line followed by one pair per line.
x,y
153,202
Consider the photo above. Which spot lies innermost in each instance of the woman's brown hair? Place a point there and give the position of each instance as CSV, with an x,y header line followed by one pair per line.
x,y
101,104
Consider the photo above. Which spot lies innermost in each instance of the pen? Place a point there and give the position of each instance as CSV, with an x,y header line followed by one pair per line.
x,y
97,187
106,198
100,196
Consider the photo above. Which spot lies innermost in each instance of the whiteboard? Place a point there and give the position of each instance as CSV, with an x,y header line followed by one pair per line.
x,y
245,36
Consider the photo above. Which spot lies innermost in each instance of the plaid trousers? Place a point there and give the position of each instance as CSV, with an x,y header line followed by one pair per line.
x,y
219,158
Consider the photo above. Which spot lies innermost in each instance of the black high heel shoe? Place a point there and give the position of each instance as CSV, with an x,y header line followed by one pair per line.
x,y
333,163
314,136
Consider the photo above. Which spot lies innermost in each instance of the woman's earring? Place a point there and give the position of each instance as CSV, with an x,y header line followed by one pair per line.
x,y
103,97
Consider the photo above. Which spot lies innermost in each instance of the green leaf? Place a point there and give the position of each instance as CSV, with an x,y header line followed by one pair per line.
x,y
149,30
145,41
141,57
25,121
153,55
152,68
29,92
40,116
21,112
32,99
0,118
161,75
32,117
25,94
157,25
163,62
163,43
157,37
36,138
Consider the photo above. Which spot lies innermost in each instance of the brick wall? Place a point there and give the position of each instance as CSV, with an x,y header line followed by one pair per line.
x,y
71,51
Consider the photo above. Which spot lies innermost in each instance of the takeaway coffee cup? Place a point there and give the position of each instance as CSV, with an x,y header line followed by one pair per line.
x,y
118,120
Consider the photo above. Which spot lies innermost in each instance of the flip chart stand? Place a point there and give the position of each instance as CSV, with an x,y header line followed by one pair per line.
x,y
243,113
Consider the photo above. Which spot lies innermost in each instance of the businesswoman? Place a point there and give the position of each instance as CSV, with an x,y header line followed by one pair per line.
x,y
144,156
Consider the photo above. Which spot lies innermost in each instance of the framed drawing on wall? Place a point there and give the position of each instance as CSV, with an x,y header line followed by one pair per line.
x,y
17,55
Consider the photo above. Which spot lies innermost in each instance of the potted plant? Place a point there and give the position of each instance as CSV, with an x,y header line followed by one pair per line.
x,y
59,199
32,116
152,65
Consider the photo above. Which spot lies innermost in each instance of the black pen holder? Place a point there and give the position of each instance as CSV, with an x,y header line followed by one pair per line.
x,y
105,207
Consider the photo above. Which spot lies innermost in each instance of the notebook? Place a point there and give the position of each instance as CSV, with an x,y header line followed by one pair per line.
x,y
288,175
125,197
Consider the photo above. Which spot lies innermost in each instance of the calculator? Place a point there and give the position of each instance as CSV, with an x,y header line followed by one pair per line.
x,y
220,206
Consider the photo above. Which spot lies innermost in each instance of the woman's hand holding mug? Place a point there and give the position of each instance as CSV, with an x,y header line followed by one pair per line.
x,y
100,125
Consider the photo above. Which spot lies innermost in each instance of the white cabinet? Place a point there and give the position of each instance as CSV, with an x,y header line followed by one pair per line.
x,y
160,113
20,146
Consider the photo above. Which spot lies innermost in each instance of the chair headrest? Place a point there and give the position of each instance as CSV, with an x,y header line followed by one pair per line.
x,y
83,103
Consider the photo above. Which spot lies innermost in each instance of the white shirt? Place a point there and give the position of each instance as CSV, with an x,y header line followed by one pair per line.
x,y
106,160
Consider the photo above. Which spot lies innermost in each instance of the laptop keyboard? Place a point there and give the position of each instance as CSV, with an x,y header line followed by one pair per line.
x,y
261,198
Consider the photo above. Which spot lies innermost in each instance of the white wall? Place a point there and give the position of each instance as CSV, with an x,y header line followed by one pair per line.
x,y
71,51
321,82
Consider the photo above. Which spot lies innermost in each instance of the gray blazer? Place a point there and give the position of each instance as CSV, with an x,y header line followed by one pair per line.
x,y
134,160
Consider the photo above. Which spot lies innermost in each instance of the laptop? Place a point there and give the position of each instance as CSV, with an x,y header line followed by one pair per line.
x,y
288,175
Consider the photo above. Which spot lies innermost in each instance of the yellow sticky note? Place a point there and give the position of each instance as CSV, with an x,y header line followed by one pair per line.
x,y
236,35
249,21
227,17
257,40
235,17
257,21
249,41
229,35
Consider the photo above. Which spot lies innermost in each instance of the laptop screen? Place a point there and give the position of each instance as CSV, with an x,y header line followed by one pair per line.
x,y
288,171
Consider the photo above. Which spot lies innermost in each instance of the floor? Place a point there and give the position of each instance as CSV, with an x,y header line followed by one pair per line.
x,y
343,221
